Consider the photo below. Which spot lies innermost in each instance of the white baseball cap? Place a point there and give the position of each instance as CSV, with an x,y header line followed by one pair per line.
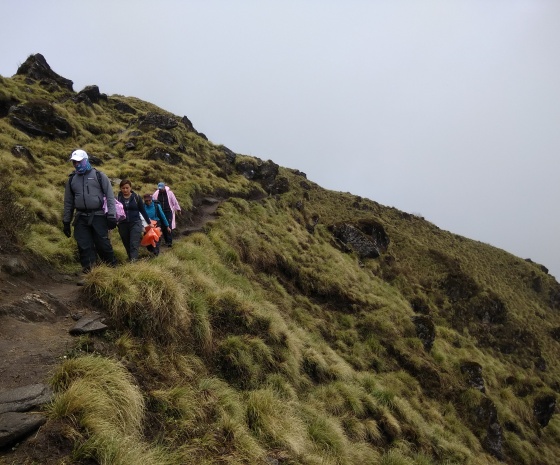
x,y
79,155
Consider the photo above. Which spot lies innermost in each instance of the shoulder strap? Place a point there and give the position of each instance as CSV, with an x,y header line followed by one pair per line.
x,y
70,177
100,181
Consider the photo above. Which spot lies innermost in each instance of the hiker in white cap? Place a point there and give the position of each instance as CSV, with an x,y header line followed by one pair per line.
x,y
84,196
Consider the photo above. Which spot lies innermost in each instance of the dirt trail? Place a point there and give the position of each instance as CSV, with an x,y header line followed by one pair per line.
x,y
37,311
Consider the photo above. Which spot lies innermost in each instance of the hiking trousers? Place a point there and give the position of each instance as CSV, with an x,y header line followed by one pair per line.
x,y
92,236
131,234
168,236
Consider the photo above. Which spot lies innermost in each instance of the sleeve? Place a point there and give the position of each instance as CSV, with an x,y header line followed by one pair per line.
x,y
173,201
142,210
68,212
108,191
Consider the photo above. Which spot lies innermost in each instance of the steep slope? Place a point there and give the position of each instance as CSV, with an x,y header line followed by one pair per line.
x,y
300,326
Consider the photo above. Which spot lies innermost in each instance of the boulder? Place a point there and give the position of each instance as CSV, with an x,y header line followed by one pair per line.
x,y
90,95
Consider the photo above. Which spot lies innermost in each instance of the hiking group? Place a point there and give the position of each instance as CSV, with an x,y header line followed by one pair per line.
x,y
91,207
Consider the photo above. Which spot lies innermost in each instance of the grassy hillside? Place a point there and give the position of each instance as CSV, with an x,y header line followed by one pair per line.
x,y
303,326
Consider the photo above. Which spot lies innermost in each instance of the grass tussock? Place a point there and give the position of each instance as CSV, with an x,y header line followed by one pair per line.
x,y
100,399
144,298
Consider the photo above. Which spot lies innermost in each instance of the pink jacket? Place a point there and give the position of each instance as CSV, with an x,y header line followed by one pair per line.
x,y
173,203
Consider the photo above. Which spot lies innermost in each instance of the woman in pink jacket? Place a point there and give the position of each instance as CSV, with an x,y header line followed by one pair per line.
x,y
169,205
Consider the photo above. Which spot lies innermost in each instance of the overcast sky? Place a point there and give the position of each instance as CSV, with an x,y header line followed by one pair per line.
x,y
445,108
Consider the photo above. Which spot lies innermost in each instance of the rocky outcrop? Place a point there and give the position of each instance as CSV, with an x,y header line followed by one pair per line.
x,y
367,238
190,128
37,68
543,409
167,156
156,120
90,95
20,151
39,118
6,102
472,371
266,173
425,330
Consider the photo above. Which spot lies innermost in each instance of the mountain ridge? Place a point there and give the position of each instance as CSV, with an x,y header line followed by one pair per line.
x,y
370,322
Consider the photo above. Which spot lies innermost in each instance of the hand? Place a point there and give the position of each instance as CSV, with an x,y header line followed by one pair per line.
x,y
111,223
66,229
168,229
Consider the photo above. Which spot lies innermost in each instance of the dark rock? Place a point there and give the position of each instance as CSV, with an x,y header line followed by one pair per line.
x,y
164,155
95,160
39,118
6,102
486,417
130,145
419,306
367,238
247,169
189,126
279,185
425,330
230,154
16,266
166,137
473,375
24,398
543,409
15,426
151,120
90,95
37,68
305,185
20,151
494,440
35,306
299,173
459,286
125,108
88,324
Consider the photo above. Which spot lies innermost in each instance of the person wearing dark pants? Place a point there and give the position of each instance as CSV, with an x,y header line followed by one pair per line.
x,y
84,195
169,204
154,211
130,229
91,234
